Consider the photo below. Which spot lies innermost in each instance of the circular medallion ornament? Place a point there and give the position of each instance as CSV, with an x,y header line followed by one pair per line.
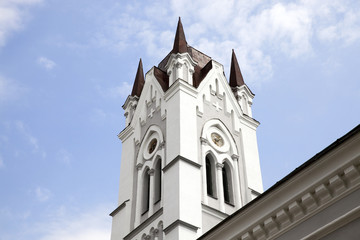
x,y
217,139
152,145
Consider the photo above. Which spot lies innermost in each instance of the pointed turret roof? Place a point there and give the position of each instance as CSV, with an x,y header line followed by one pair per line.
x,y
139,81
236,78
180,44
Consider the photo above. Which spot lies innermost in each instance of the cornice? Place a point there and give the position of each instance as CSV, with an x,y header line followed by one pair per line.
x,y
120,207
180,158
180,85
125,133
144,224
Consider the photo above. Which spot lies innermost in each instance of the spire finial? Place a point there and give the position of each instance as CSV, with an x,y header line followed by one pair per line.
x,y
236,78
180,44
139,81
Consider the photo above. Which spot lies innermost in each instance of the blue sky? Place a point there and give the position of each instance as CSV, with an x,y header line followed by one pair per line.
x,y
66,68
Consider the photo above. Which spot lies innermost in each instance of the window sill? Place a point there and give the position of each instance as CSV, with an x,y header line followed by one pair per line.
x,y
212,197
231,204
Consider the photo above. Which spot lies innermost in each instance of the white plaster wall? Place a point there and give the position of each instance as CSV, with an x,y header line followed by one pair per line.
x,y
172,127
126,170
188,127
209,221
190,194
171,200
251,158
120,224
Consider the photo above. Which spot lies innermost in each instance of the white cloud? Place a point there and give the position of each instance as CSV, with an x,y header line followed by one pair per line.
x,y
46,63
256,29
13,15
42,194
32,140
94,224
65,156
9,90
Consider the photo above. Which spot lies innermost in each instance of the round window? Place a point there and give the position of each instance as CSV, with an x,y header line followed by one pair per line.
x,y
217,139
152,145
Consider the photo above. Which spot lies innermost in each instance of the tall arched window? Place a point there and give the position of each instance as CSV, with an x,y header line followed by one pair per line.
x,y
146,192
210,176
227,184
157,193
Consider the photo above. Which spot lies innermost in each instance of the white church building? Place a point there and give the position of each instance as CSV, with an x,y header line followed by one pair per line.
x,y
190,166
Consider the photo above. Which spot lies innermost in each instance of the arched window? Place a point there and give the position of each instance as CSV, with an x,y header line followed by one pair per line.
x,y
146,192
210,176
157,193
227,184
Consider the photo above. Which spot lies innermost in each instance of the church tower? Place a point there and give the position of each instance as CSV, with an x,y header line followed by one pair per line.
x,y
189,148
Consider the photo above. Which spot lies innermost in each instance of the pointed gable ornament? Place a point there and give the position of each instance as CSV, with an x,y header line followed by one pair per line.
x,y
236,78
139,81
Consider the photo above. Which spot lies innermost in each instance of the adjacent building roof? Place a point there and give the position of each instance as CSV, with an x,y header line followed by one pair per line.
x,y
289,178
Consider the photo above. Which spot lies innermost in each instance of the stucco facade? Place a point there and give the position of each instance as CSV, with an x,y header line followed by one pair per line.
x,y
189,150
190,166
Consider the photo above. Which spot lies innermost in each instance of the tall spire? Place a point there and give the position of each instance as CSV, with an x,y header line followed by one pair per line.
x,y
139,81
180,44
236,78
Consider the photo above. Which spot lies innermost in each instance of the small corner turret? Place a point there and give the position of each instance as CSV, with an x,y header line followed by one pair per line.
x,y
180,64
132,100
242,93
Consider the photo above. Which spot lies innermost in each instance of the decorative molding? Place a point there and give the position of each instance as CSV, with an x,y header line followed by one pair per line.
x,y
151,112
219,166
125,133
180,85
162,145
144,224
204,141
305,205
235,157
334,225
178,158
151,172
139,166
119,208
213,211
178,223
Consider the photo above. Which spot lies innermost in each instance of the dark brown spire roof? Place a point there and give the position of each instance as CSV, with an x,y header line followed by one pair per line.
x,y
162,78
202,68
180,44
236,78
139,81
